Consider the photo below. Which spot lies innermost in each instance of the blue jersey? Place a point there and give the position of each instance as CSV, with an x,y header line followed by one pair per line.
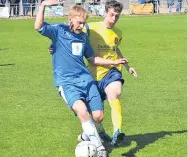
x,y
68,61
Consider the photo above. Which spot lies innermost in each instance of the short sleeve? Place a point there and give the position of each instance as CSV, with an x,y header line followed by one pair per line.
x,y
49,30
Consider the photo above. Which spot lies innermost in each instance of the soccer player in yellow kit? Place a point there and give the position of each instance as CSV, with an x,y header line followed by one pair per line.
x,y
105,39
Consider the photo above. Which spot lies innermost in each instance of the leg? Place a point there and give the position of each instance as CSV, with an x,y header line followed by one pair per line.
x,y
73,97
10,12
95,98
180,7
113,92
100,129
170,9
14,10
88,126
97,117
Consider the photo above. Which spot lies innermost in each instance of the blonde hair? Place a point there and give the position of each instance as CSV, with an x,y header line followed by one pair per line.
x,y
77,10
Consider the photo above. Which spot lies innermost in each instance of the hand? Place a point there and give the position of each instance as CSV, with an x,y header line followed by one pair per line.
x,y
133,72
50,50
120,61
50,2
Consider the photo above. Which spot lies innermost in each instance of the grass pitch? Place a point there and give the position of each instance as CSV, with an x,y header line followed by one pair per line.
x,y
35,122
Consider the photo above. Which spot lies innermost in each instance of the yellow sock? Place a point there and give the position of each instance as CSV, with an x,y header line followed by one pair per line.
x,y
116,114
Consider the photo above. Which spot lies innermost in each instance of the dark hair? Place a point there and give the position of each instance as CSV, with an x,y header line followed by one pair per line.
x,y
113,4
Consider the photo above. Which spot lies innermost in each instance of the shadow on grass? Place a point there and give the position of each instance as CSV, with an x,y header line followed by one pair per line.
x,y
11,64
3,49
142,140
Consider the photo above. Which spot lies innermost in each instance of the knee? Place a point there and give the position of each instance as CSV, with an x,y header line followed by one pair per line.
x,y
118,94
114,94
113,90
98,116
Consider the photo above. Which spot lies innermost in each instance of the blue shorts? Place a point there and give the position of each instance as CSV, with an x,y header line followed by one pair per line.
x,y
112,76
88,93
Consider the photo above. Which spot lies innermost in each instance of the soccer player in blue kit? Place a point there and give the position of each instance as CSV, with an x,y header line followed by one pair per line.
x,y
71,76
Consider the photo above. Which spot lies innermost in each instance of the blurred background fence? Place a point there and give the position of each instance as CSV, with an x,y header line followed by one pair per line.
x,y
29,8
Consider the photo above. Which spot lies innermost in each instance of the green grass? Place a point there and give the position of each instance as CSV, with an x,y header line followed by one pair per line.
x,y
35,122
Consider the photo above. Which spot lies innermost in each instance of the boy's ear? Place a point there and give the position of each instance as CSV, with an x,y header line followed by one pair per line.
x,y
69,20
70,23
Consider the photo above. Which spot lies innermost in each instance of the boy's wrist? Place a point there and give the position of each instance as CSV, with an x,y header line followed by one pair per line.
x,y
127,66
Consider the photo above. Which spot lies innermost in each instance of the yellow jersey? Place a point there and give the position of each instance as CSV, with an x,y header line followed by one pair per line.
x,y
104,42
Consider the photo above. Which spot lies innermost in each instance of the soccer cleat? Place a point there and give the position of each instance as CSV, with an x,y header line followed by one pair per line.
x,y
117,137
82,137
105,137
102,153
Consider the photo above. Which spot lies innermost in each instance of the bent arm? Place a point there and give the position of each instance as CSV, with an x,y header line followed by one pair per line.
x,y
105,62
40,17
127,67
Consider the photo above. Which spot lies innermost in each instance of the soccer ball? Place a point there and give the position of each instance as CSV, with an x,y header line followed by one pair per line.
x,y
86,149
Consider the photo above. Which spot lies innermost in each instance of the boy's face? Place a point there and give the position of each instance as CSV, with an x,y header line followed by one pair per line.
x,y
77,24
112,16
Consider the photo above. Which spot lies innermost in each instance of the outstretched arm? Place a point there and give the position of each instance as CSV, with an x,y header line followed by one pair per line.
x,y
106,62
40,15
127,67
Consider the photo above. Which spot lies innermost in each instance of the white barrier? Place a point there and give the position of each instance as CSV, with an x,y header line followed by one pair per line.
x,y
4,12
98,10
52,11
